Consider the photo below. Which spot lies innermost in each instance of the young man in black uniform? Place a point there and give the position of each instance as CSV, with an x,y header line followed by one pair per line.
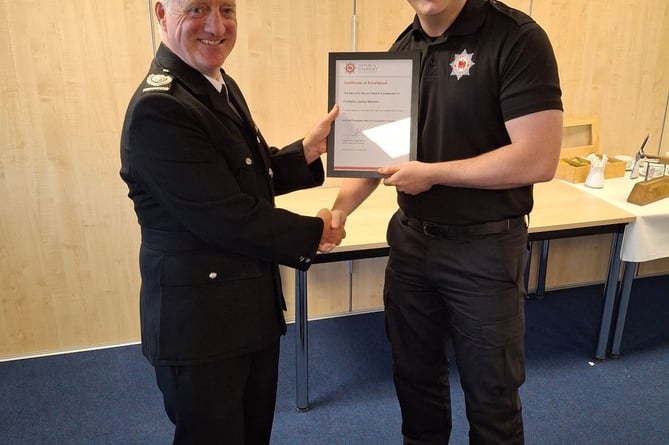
x,y
490,126
203,181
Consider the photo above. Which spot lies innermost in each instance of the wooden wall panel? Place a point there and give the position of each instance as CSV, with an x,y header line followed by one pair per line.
x,y
613,57
655,267
328,290
367,283
67,268
589,266
379,24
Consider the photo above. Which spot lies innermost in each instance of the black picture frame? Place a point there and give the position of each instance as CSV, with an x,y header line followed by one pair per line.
x,y
368,73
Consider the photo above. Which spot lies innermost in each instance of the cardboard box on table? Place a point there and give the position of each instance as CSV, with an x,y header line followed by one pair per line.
x,y
580,138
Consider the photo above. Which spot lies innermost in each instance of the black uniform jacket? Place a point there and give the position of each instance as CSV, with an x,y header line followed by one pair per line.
x,y
203,181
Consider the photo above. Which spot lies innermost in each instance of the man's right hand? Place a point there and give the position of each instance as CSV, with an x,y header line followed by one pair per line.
x,y
333,229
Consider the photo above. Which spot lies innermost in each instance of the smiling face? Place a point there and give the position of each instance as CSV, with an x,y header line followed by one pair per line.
x,y
201,32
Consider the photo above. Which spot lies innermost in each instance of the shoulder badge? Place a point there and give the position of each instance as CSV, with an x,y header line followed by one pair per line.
x,y
158,82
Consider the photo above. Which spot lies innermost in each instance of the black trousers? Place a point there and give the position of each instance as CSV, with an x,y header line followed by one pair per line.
x,y
228,402
466,291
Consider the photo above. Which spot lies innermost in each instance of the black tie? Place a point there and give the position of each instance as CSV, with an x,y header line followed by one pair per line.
x,y
225,92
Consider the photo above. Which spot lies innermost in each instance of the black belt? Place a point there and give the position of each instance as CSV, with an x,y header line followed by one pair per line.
x,y
173,242
436,230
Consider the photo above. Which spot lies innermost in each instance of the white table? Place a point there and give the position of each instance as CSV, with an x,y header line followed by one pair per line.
x,y
645,239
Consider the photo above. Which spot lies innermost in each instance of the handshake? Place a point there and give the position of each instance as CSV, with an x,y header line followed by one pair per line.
x,y
333,229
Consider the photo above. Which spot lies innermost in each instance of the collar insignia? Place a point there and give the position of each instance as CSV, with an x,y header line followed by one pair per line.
x,y
462,64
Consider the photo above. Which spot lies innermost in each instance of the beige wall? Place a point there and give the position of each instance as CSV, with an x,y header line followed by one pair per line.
x,y
68,268
68,235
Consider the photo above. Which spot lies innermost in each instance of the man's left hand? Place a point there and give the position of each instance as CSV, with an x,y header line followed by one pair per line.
x,y
315,143
411,177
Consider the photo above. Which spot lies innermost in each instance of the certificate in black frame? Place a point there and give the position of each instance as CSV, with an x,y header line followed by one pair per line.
x,y
377,94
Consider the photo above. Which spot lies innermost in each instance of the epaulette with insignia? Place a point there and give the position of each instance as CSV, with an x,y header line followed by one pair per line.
x,y
158,82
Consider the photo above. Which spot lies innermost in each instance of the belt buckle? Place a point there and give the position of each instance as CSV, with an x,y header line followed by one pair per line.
x,y
432,230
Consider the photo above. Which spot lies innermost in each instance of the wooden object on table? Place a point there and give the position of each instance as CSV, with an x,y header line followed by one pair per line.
x,y
649,191
580,138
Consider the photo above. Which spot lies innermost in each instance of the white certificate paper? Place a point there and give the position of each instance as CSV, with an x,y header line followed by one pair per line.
x,y
378,99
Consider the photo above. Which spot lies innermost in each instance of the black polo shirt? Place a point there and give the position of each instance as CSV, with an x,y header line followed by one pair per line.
x,y
492,64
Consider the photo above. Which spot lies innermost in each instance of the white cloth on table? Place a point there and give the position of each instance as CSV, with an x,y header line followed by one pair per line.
x,y
647,238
